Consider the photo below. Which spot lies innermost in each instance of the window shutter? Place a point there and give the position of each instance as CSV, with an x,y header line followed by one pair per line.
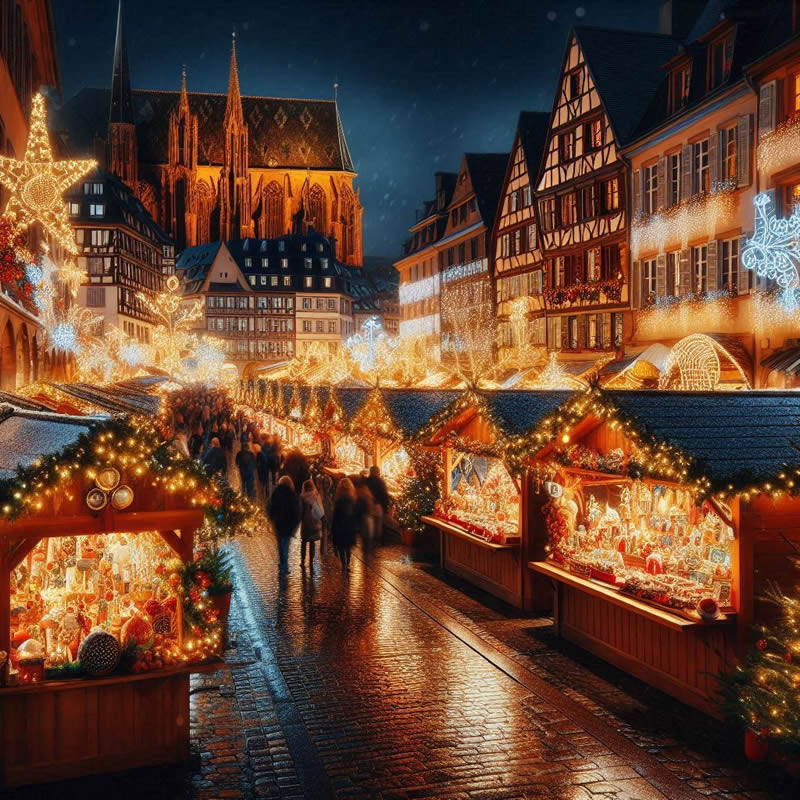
x,y
743,280
713,283
766,108
662,183
686,172
686,272
661,275
636,285
713,159
637,194
743,151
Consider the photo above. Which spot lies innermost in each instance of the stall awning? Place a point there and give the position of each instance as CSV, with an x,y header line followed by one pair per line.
x,y
786,360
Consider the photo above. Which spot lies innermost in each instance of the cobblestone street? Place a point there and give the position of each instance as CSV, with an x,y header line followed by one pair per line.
x,y
397,682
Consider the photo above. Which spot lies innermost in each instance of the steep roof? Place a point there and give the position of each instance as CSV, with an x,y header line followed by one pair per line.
x,y
732,435
412,408
487,171
533,127
518,411
120,206
121,109
282,133
193,265
627,69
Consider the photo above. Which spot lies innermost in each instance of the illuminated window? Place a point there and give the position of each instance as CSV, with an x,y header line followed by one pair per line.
x,y
700,171
97,209
566,146
797,92
287,281
593,135
729,264
527,196
327,282
248,262
284,263
593,264
720,55
74,209
648,281
700,268
532,236
679,88
513,201
589,201
308,282
650,189
568,209
612,194
505,245
674,273
673,179
728,151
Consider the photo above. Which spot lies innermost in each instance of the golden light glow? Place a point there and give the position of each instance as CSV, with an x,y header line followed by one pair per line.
x,y
37,182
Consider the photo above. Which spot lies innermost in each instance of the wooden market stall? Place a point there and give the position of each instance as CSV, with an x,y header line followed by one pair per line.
x,y
664,523
482,518
82,588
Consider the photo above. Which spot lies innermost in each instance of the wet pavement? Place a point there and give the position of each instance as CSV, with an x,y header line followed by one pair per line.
x,y
397,681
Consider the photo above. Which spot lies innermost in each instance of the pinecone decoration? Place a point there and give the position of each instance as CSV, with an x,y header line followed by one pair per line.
x,y
162,624
99,653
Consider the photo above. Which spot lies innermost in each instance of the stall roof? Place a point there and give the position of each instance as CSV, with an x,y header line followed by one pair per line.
x,y
116,401
730,434
351,400
520,410
412,408
28,435
785,360
7,398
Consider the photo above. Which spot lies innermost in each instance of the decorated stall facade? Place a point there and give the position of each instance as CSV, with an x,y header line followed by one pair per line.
x,y
665,520
104,611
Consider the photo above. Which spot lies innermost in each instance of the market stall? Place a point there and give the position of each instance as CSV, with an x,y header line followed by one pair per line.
x,y
103,610
482,513
655,517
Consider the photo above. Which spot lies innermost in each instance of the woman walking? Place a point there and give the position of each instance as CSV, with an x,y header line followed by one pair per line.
x,y
311,514
345,521
284,512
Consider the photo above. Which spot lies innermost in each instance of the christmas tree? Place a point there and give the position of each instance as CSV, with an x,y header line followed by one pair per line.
x,y
763,692
419,491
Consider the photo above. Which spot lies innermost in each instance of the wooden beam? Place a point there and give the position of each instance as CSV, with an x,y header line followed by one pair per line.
x,y
173,540
20,550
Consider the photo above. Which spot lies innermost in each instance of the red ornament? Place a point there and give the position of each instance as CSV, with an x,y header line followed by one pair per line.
x,y
788,658
174,580
761,644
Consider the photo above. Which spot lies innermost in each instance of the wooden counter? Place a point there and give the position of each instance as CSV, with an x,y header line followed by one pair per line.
x,y
677,655
496,568
56,730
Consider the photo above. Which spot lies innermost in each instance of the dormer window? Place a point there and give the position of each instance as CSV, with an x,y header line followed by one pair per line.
x,y
720,56
679,81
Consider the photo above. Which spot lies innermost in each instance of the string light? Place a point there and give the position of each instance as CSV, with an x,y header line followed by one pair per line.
x,y
37,182
693,365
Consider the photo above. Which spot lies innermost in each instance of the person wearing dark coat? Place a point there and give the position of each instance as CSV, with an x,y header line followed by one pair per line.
x,y
284,513
246,461
215,461
381,499
345,522
295,465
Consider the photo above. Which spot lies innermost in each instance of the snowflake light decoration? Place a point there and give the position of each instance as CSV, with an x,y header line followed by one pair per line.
x,y
64,338
774,250
373,347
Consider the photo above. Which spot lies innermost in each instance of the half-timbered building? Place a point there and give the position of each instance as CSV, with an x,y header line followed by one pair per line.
x,y
518,264
467,305
607,79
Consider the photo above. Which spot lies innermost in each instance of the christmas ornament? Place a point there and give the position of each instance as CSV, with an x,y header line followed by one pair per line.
x,y
137,630
37,182
107,479
96,499
99,653
122,497
761,644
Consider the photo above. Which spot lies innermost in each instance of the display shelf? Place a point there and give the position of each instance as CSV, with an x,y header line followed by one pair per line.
x,y
45,686
455,530
614,596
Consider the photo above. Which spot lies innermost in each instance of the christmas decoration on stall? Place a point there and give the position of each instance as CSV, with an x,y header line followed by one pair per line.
x,y
762,694
37,182
373,420
773,251
694,365
14,260
421,490
372,349
554,376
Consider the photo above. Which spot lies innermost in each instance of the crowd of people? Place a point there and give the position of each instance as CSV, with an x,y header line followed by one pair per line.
x,y
321,509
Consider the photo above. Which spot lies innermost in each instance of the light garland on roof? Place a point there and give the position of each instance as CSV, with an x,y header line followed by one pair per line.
x,y
419,290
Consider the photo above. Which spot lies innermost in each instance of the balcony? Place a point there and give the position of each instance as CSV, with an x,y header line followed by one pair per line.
x,y
582,295
699,217
458,272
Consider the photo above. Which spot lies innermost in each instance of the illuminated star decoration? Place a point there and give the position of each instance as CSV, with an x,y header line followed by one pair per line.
x,y
774,250
37,182
372,347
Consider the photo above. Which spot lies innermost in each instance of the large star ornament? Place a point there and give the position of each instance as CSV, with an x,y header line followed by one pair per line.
x,y
37,182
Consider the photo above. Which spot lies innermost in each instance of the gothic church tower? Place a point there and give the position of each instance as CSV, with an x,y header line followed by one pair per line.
x,y
235,218
122,156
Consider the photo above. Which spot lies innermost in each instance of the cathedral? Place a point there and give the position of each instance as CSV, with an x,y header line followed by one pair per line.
x,y
220,167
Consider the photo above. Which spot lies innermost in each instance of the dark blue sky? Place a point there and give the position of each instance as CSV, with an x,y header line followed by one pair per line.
x,y
420,83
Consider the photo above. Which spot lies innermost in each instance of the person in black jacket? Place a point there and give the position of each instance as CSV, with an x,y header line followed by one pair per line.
x,y
284,512
345,521
381,499
215,460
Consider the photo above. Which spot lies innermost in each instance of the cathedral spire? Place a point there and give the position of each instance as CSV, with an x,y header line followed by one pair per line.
x,y
121,104
233,110
183,103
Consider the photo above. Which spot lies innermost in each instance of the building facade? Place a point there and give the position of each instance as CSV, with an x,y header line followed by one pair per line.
x,y
419,270
27,62
269,299
122,251
517,257
463,254
222,167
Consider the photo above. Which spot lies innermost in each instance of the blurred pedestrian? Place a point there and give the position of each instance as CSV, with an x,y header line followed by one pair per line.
x,y
381,499
214,460
284,512
246,462
344,522
364,512
311,514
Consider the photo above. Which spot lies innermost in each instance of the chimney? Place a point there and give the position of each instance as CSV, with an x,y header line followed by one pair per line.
x,y
677,17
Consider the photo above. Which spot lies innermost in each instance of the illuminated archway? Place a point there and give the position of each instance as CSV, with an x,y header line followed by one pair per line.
x,y
8,360
700,362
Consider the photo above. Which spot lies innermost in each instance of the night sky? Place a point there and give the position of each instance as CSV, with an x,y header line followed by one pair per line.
x,y
420,83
